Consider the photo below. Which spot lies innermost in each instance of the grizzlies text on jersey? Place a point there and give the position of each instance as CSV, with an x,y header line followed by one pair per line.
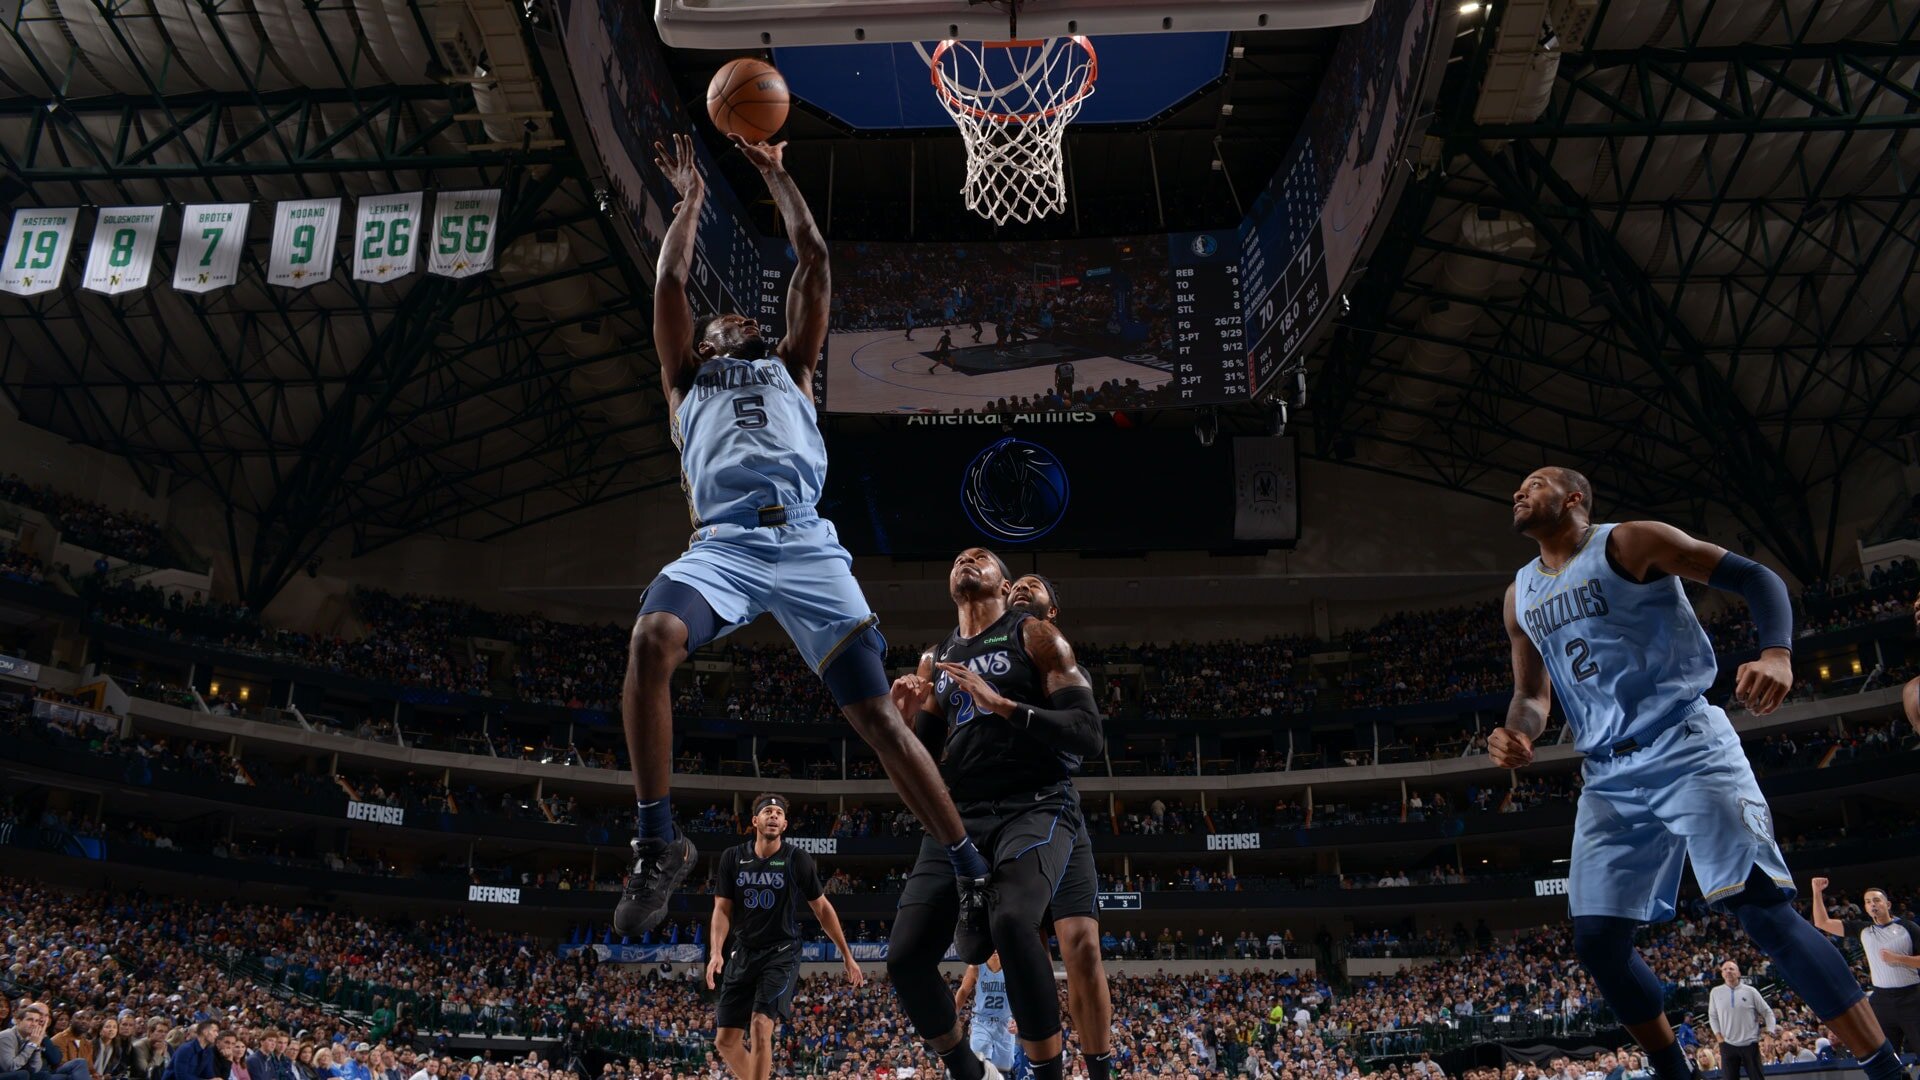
x,y
1625,657
749,439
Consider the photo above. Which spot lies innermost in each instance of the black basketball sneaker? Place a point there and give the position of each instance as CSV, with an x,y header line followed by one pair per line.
x,y
659,867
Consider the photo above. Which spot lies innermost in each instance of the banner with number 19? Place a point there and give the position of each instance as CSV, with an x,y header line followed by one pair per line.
x,y
37,250
211,236
463,227
304,232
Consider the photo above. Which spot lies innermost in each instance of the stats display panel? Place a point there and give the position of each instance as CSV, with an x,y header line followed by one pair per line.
x,y
1111,323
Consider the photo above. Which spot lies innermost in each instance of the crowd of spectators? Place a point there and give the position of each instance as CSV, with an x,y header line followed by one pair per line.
x,y
17,565
84,523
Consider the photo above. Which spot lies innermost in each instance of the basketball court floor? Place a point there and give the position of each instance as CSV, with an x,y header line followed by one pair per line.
x,y
881,371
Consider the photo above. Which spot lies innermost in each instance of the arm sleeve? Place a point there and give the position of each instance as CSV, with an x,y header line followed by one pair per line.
x,y
723,876
806,876
1072,724
1765,594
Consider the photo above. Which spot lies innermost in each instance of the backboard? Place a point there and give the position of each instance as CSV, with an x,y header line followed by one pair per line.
x,y
759,24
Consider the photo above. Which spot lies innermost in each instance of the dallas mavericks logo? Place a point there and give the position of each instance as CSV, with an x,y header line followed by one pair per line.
x,y
1204,245
1015,491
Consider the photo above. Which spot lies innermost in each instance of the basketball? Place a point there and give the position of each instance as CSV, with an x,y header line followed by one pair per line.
x,y
748,98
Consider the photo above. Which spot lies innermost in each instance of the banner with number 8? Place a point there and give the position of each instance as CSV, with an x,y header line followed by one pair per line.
x,y
122,252
37,250
304,232
211,236
386,234
463,227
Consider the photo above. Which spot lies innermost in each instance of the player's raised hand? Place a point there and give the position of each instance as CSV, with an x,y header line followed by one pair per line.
x,y
713,968
1509,749
910,694
985,697
1761,685
680,169
1819,884
764,156
855,976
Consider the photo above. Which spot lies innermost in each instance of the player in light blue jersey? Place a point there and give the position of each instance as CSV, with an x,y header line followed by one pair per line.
x,y
990,1030
753,464
1600,619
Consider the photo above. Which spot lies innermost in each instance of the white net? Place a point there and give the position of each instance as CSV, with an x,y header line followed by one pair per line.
x,y
1012,101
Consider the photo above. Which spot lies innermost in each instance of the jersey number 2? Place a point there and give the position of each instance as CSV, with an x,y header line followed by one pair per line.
x,y
749,411
1583,668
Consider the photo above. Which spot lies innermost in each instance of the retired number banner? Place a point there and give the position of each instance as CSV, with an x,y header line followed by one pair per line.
x,y
211,236
37,250
463,226
303,234
122,254
386,235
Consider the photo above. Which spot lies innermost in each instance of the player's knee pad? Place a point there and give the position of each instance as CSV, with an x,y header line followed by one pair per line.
x,y
685,603
1803,956
859,672
1604,945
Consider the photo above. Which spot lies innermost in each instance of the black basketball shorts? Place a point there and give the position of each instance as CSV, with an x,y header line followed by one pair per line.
x,y
757,981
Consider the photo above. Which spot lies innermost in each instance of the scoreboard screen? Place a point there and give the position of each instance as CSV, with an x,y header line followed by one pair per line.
x,y
1110,323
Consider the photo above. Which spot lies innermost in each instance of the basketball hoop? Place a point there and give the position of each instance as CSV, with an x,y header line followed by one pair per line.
x,y
1012,101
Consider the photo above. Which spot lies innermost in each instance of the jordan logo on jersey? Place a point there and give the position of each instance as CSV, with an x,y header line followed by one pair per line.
x,y
1564,607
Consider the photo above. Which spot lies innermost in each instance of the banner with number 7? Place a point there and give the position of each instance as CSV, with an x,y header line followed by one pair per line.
x,y
37,249
211,238
304,232
463,228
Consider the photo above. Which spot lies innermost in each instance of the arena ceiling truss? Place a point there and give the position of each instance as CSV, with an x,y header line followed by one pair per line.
x,y
1673,242
465,407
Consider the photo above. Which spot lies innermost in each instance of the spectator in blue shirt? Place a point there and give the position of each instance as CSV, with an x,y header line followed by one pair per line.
x,y
195,1059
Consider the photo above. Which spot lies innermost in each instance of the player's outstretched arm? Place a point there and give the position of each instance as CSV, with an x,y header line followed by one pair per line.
x,y
1647,548
717,930
968,979
1511,745
811,290
830,923
672,314
1072,720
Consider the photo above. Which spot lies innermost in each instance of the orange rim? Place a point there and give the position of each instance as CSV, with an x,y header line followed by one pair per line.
x,y
954,100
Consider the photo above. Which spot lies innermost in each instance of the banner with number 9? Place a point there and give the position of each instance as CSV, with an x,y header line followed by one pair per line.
x,y
122,253
211,237
463,227
386,236
304,231
37,249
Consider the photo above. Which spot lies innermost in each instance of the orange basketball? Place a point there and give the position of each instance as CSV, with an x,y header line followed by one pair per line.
x,y
748,98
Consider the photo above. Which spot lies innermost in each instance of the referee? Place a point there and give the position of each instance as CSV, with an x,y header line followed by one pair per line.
x,y
770,880
1737,1012
1892,948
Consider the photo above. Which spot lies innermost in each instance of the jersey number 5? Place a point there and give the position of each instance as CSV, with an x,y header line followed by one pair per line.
x,y
749,411
1583,668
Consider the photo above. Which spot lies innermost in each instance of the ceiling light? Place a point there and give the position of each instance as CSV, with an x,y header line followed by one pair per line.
x,y
1469,7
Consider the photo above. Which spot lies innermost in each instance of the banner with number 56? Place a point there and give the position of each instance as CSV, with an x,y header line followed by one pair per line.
x,y
463,227
386,236
211,236
304,231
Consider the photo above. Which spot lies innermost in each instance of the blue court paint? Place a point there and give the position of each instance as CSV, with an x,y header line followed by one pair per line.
x,y
887,87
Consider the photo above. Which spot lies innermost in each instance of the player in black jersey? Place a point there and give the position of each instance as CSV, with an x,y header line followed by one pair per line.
x,y
762,884
1075,912
1010,715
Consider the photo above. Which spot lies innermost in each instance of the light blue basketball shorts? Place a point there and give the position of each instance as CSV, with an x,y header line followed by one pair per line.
x,y
992,1041
1689,795
798,572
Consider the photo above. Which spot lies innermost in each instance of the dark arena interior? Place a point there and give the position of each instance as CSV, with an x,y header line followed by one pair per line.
x,y
1217,389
